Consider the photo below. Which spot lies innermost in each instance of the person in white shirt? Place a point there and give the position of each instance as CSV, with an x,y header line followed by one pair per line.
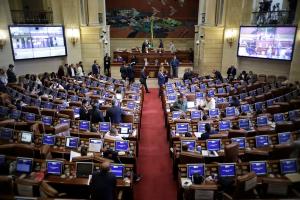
x,y
210,103
113,135
56,86
79,71
172,47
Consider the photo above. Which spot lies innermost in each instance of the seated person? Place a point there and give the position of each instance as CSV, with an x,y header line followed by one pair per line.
x,y
180,104
235,101
207,132
83,112
243,76
95,115
113,135
210,103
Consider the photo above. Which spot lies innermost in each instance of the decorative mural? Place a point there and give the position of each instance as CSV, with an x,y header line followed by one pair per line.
x,y
152,18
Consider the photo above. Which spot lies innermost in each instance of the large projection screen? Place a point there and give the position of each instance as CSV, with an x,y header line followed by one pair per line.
x,y
267,42
30,42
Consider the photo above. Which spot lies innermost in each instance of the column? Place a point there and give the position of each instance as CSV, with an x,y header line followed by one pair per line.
x,y
57,11
210,12
93,10
295,69
6,57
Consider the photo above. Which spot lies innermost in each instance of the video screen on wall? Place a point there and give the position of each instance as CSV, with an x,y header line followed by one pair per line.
x,y
30,42
267,42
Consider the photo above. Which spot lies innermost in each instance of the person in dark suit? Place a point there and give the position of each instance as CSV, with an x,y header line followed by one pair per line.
x,y
235,102
71,71
103,184
174,64
143,79
107,64
60,72
144,46
123,71
83,112
218,75
231,72
95,115
11,76
207,133
114,113
95,68
130,73
161,80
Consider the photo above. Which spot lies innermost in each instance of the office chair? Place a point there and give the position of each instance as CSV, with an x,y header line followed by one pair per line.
x,y
237,133
49,112
281,151
284,126
231,152
47,191
245,187
189,157
68,112
31,109
7,188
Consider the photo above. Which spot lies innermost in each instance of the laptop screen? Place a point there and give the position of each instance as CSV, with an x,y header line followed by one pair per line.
x,y
84,125
6,133
176,114
117,170
49,139
131,105
182,127
195,169
30,117
288,166
199,95
244,124
241,141
15,114
171,97
104,126
227,170
213,112
26,137
84,169
190,104
278,117
72,142
48,105
284,138
258,106
201,127
64,121
245,108
95,145
230,111
259,167
54,167
125,128
213,145
121,145
195,114
24,165
262,121
262,141
224,125
47,120
190,143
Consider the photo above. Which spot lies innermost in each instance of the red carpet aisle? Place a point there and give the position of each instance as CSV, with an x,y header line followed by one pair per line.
x,y
154,162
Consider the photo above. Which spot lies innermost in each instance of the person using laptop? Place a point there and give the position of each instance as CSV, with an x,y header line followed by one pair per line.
x,y
103,183
210,103
180,104
113,135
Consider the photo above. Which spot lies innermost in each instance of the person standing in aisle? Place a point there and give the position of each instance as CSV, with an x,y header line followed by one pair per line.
x,y
143,79
123,70
107,65
174,64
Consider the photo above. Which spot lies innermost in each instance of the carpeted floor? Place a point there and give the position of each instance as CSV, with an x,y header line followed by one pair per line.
x,y
154,162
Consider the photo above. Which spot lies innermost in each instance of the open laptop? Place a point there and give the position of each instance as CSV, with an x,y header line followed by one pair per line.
x,y
227,170
241,141
195,169
54,167
95,145
84,169
259,167
24,165
117,170
190,143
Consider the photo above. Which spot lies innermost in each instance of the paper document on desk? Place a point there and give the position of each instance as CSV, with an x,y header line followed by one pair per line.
x,y
294,177
198,134
204,152
186,182
125,135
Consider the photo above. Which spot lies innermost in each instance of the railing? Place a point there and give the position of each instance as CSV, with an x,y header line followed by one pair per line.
x,y
32,17
272,17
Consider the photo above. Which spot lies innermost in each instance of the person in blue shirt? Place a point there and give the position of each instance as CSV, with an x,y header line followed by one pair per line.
x,y
174,64
115,113
161,80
